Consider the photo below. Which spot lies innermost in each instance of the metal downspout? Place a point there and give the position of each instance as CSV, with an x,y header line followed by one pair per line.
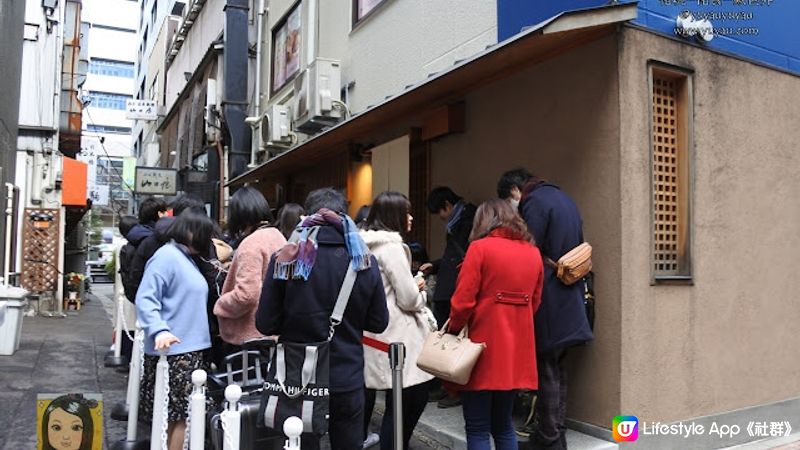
x,y
235,68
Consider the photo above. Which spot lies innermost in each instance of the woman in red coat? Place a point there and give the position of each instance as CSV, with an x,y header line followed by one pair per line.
x,y
498,291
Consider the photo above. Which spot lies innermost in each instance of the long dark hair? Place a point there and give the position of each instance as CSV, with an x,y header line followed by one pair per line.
x,y
193,230
288,218
498,213
389,212
77,405
247,209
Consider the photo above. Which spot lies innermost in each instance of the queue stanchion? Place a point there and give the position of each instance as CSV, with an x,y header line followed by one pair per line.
x,y
158,432
116,359
292,428
134,382
397,356
231,418
197,412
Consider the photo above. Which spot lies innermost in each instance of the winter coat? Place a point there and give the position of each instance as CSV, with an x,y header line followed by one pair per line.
x,y
446,268
128,309
236,307
136,235
498,291
172,298
300,311
556,225
405,303
145,250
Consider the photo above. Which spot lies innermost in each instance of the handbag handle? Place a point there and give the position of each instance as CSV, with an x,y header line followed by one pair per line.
x,y
464,333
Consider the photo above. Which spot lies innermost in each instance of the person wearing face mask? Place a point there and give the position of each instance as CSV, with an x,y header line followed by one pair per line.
x,y
555,222
510,185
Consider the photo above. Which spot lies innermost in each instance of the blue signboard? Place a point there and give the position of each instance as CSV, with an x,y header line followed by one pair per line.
x,y
766,31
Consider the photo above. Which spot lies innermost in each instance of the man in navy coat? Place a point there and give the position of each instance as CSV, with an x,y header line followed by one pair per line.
x,y
299,311
556,225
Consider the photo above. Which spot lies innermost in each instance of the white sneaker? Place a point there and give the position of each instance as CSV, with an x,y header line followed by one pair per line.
x,y
372,439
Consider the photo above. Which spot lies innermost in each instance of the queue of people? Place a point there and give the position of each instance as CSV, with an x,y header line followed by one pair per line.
x,y
201,292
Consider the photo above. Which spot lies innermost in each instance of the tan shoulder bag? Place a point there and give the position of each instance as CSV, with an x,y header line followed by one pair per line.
x,y
574,265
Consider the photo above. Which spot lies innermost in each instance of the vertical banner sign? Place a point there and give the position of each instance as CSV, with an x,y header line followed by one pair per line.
x,y
128,173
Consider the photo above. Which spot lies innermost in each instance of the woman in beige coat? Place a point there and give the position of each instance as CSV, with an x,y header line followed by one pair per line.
x,y
388,219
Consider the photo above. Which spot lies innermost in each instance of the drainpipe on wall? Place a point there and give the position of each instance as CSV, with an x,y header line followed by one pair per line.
x,y
234,100
256,119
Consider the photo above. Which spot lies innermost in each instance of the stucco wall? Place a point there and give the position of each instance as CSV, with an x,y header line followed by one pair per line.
x,y
560,120
729,340
398,44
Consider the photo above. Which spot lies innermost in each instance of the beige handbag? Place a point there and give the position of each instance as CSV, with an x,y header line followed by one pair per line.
x,y
448,356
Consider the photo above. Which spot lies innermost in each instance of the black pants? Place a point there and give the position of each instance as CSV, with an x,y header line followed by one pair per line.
x,y
345,423
126,347
441,311
369,406
414,400
551,401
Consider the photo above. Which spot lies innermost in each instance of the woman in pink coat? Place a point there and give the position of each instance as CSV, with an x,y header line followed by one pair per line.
x,y
498,290
249,224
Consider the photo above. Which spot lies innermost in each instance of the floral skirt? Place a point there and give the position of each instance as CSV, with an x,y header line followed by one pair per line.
x,y
180,383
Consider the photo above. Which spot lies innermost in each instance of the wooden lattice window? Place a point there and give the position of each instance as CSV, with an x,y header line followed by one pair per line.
x,y
671,138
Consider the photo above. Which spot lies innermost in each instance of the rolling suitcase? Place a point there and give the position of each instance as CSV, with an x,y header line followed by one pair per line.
x,y
246,369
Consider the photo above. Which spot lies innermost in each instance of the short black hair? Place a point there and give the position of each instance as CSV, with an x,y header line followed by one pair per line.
x,y
418,253
361,214
149,209
438,197
325,198
247,208
187,201
513,178
193,229
126,223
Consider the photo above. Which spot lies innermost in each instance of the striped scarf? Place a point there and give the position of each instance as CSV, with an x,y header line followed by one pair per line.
x,y
296,259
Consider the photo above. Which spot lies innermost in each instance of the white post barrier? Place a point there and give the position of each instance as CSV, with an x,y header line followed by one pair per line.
x,y
116,360
292,428
197,413
231,418
134,381
158,433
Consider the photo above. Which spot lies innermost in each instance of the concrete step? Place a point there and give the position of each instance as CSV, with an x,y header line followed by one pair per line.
x,y
444,428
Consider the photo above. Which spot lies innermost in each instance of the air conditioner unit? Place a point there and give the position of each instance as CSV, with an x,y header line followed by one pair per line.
x,y
276,128
317,89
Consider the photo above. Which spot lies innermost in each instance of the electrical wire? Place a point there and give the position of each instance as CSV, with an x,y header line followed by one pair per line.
x,y
120,205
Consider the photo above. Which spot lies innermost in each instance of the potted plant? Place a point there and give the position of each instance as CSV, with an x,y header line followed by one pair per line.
x,y
75,289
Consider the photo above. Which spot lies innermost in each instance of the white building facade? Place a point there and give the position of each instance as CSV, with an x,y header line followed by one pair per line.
x,y
109,85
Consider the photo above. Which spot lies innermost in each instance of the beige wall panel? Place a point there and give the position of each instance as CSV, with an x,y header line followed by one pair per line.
x,y
727,342
390,166
559,120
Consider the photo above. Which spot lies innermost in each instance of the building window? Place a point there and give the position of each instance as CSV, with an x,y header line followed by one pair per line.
x,y
363,8
108,101
111,68
671,128
287,40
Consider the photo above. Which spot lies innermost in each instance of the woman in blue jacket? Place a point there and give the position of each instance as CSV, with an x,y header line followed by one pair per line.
x,y
171,307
